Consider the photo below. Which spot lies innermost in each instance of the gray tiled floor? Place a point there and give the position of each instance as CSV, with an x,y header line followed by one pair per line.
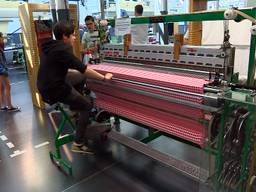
x,y
115,168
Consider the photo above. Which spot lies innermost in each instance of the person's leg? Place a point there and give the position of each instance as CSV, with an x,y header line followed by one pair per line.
x,y
2,93
83,105
76,79
7,88
78,102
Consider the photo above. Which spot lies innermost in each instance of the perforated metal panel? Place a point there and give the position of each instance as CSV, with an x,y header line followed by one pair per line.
x,y
197,56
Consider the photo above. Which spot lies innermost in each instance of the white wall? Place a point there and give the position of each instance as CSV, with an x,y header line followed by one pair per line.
x,y
3,26
213,32
251,3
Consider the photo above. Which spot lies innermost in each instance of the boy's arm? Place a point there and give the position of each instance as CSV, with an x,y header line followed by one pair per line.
x,y
90,73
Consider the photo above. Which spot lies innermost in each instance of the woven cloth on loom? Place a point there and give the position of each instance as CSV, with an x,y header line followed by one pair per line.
x,y
178,126
144,100
175,119
184,83
159,91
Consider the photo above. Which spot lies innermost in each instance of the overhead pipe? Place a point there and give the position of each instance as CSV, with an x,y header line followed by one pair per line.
x,y
53,11
164,11
62,7
102,10
164,7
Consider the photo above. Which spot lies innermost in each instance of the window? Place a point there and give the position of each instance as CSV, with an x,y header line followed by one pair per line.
x,y
225,4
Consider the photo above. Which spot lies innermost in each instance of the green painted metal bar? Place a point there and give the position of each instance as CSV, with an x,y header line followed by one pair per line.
x,y
67,165
59,141
239,102
61,162
251,66
245,153
64,140
63,122
220,142
67,118
57,135
252,171
58,153
151,131
247,146
211,151
197,16
151,137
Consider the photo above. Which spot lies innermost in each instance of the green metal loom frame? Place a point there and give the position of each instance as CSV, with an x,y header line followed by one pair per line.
x,y
230,102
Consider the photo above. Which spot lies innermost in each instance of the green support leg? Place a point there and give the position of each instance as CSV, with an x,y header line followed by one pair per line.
x,y
117,120
220,142
62,140
152,135
248,143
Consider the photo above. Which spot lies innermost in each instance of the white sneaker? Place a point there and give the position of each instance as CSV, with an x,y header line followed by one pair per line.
x,y
81,148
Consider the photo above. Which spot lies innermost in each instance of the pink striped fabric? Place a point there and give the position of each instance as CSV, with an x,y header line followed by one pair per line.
x,y
175,125
191,84
176,119
148,101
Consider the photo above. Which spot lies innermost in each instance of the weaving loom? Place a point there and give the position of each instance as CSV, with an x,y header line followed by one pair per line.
x,y
194,98
180,98
151,92
146,106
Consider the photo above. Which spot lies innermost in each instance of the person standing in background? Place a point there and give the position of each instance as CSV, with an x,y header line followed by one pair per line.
x,y
1,41
138,10
5,88
90,41
139,32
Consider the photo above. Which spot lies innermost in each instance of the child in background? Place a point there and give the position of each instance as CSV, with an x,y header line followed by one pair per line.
x,y
90,41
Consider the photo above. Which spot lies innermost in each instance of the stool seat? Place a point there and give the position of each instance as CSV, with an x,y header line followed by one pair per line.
x,y
49,101
57,106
